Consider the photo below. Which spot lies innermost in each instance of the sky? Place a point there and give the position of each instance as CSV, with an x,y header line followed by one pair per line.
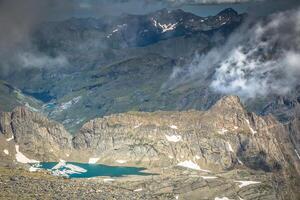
x,y
98,8
61,9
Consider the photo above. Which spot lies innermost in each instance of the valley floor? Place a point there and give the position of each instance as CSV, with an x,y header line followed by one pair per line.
x,y
170,184
21,184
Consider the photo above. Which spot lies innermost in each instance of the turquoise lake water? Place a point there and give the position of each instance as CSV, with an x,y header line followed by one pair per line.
x,y
85,170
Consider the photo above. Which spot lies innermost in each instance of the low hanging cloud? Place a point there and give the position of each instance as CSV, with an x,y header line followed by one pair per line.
x,y
267,62
38,60
257,60
249,78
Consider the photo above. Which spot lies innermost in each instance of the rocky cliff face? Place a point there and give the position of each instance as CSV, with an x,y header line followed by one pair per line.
x,y
219,140
34,135
291,142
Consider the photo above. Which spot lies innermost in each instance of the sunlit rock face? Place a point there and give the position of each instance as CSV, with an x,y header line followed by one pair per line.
x,y
223,139
35,135
219,139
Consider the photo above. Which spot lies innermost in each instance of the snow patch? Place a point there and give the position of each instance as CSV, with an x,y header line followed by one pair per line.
x,y
154,22
197,157
173,127
6,151
164,27
35,167
138,190
208,177
297,154
171,157
65,169
246,183
137,126
229,147
167,27
221,198
222,131
93,160
60,164
251,129
108,180
117,29
75,168
109,35
63,172
11,138
121,161
239,161
122,25
190,164
21,158
68,104
173,138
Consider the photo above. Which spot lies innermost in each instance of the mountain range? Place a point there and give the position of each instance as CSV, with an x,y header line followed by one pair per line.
x,y
120,65
125,64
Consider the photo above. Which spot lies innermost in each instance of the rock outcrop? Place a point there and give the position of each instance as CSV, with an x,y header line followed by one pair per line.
x,y
34,135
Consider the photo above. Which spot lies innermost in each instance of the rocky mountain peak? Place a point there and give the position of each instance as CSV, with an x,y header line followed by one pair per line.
x,y
232,103
228,12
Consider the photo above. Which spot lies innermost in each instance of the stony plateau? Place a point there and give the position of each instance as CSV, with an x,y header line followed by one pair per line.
x,y
222,152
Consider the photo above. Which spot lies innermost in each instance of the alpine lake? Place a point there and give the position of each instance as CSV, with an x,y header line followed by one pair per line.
x,y
86,170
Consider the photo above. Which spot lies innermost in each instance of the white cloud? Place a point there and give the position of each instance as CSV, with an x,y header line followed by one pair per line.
x,y
261,58
28,60
266,62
